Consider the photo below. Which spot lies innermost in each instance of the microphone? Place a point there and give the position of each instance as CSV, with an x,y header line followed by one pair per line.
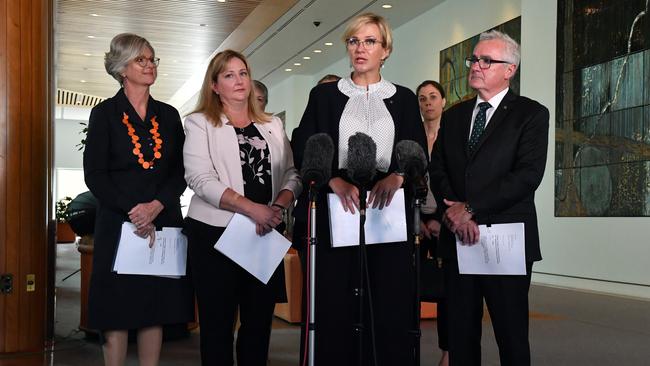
x,y
413,162
317,160
362,159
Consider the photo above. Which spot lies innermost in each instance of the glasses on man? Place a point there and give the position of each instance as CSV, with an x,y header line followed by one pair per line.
x,y
367,43
143,61
483,62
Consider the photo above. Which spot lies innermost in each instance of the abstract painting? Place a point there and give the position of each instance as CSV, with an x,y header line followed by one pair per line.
x,y
602,131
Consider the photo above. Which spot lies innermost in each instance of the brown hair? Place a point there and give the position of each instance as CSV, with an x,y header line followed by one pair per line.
x,y
370,18
434,84
210,103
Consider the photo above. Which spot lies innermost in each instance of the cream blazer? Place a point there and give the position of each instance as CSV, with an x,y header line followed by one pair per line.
x,y
212,164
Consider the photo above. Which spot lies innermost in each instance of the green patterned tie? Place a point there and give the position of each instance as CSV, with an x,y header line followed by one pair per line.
x,y
479,126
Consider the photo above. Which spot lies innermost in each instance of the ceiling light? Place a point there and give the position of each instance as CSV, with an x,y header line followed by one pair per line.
x,y
329,44
88,54
297,64
287,70
221,1
91,37
306,58
386,6
94,15
83,81
165,74
174,61
317,51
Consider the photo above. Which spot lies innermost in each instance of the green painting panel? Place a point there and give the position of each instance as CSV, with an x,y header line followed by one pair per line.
x,y
602,110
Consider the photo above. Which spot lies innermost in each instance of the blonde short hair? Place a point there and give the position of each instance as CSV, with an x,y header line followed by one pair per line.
x,y
210,103
124,48
370,18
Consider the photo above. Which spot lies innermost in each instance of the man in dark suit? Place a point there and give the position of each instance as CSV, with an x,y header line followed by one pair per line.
x,y
486,164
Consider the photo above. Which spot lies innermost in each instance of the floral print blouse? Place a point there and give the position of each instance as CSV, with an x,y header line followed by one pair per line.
x,y
255,164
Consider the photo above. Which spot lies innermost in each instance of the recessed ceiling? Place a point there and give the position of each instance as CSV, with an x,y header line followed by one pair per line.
x,y
184,33
274,34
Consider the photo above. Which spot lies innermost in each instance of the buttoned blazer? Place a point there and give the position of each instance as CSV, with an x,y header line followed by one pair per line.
x,y
212,164
499,179
323,115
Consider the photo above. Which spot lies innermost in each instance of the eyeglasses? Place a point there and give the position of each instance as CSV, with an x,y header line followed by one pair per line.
x,y
367,43
483,62
143,61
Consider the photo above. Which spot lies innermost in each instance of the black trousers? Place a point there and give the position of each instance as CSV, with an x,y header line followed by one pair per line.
x,y
221,287
506,298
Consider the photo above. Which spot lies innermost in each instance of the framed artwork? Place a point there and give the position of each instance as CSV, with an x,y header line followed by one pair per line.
x,y
602,122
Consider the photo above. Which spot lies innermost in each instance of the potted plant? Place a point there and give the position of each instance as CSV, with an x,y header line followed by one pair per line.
x,y
64,233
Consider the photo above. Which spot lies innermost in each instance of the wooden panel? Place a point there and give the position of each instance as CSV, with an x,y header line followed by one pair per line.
x,y
24,136
3,155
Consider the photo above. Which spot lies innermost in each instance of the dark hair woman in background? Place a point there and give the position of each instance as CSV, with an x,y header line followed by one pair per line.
x,y
431,96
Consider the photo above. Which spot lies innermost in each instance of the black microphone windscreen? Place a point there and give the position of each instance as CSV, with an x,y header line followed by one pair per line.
x,y
411,158
362,158
317,160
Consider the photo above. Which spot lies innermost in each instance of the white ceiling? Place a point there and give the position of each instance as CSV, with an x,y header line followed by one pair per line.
x,y
273,34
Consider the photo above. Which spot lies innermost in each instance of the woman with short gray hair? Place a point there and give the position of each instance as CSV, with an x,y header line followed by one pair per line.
x,y
133,164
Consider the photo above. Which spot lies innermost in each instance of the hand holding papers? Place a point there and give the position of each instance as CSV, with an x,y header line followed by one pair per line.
x,y
382,226
500,251
167,257
259,255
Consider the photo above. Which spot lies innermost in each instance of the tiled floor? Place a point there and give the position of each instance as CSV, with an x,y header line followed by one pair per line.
x,y
567,328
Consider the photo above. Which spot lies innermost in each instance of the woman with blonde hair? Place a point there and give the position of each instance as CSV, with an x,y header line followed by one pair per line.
x,y
363,102
237,160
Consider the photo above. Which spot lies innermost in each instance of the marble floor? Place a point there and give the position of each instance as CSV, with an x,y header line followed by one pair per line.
x,y
566,328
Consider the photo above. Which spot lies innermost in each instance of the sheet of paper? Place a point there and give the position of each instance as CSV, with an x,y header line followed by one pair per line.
x,y
167,257
382,226
259,255
501,250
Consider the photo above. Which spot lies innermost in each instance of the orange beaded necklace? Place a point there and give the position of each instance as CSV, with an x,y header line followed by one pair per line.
x,y
134,139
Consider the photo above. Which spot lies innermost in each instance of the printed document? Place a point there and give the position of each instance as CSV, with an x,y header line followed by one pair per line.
x,y
501,250
259,255
382,226
167,257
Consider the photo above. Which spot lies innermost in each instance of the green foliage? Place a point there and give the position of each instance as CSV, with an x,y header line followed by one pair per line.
x,y
61,207
80,146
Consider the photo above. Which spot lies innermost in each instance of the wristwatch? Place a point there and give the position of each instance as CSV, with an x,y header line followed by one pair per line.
x,y
282,208
469,209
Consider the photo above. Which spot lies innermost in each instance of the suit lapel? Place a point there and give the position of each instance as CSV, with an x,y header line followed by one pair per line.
x,y
499,115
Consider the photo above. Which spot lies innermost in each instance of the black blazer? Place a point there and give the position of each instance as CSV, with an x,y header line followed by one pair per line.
x,y
113,175
323,114
499,179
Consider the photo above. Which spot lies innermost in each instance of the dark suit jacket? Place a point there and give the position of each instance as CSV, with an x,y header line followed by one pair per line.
x,y
499,179
323,114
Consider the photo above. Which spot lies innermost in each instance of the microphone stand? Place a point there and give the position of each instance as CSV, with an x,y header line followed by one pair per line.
x,y
311,325
364,284
419,197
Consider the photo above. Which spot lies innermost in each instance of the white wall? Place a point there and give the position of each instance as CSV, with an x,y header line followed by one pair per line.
x,y
614,250
290,96
68,164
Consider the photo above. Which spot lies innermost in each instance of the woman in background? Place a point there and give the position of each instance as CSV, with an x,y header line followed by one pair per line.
x,y
363,102
133,164
237,160
431,96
